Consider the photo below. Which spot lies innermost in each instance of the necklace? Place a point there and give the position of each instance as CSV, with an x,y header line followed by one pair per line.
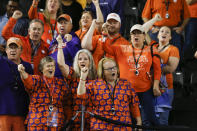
x,y
111,94
50,93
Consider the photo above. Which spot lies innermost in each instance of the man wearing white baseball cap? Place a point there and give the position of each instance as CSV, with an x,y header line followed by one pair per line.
x,y
114,16
111,37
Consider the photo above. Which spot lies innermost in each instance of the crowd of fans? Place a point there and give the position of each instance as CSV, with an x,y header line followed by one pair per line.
x,y
58,57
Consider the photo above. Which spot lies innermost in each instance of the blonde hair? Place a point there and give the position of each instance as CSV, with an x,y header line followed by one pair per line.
x,y
100,71
92,70
46,12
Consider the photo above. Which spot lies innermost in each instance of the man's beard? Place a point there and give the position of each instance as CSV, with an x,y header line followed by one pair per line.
x,y
112,33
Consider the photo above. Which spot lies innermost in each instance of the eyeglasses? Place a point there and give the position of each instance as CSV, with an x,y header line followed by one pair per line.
x,y
13,47
111,68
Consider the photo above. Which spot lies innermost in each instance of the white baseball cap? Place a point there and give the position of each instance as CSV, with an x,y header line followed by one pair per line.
x,y
114,16
137,27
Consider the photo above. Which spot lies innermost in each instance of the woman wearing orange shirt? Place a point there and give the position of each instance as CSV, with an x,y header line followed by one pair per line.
x,y
48,16
142,62
110,97
86,21
135,61
83,58
170,59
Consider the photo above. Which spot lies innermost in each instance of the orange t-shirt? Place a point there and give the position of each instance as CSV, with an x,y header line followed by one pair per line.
x,y
170,51
50,30
124,57
193,10
175,10
97,44
27,50
81,33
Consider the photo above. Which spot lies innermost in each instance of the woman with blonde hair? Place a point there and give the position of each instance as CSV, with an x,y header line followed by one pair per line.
x,y
86,21
48,16
82,59
109,96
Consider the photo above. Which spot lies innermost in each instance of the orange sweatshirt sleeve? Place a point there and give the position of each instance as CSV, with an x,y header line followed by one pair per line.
x,y
7,30
156,65
32,13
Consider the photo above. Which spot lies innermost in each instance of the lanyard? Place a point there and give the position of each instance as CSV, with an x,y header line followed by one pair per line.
x,y
136,61
164,47
114,40
53,29
167,3
111,93
48,90
34,49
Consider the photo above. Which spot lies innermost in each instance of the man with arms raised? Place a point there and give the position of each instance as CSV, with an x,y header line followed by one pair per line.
x,y
34,49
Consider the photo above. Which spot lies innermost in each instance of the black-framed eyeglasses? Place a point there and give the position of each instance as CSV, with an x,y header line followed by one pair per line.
x,y
111,68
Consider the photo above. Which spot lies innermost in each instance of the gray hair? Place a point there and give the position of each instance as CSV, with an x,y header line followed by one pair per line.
x,y
92,70
43,61
37,20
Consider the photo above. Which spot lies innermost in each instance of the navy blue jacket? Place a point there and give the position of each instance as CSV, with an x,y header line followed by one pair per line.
x,y
14,100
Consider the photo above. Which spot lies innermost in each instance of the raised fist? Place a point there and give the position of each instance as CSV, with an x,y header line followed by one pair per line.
x,y
21,68
35,3
158,17
68,37
96,2
84,73
60,41
17,14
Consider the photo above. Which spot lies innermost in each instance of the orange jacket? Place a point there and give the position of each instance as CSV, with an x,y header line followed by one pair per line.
x,y
50,31
176,9
124,57
26,53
